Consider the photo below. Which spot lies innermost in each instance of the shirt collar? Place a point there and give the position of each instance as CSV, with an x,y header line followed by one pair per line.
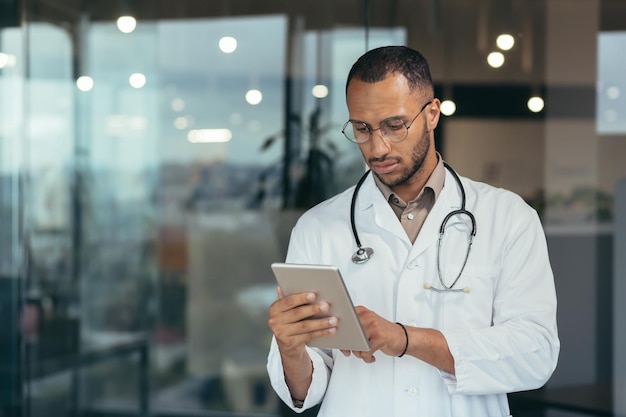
x,y
435,183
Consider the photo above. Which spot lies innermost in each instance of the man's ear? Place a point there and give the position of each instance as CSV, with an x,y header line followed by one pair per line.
x,y
433,112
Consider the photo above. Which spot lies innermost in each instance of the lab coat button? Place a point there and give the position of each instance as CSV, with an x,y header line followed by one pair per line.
x,y
412,391
412,265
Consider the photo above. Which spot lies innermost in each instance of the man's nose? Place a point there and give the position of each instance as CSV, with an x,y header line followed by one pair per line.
x,y
379,144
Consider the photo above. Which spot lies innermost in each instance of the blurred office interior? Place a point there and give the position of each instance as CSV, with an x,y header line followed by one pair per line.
x,y
154,155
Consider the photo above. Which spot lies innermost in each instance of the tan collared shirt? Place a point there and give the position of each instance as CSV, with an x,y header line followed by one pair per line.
x,y
412,215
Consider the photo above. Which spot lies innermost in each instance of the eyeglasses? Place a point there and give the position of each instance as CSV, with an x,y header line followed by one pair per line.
x,y
393,129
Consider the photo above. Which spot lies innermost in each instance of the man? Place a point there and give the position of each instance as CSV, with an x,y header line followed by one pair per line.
x,y
451,330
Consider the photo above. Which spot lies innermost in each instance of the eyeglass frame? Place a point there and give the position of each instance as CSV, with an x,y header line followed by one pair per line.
x,y
372,130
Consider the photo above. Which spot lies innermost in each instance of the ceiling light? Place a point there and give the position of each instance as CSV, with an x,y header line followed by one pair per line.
x,y
177,104
126,24
209,136
137,80
137,123
254,97
505,41
4,60
535,104
181,123
236,119
254,126
613,92
495,59
228,44
448,107
7,60
84,83
319,91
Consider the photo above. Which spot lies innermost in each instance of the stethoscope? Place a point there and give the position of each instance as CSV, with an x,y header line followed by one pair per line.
x,y
364,254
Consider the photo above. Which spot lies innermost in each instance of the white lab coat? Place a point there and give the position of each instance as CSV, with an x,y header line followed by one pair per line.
x,y
502,334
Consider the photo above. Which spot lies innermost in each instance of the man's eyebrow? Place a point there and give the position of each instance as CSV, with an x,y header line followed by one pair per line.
x,y
397,116
401,117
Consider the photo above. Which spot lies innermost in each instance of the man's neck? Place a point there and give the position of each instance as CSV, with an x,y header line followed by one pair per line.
x,y
413,186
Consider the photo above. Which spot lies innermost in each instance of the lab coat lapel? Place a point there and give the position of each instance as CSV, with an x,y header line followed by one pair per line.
x,y
448,200
383,215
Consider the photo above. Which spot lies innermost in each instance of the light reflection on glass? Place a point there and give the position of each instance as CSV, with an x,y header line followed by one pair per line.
x,y
254,97
228,44
84,83
137,80
209,136
126,24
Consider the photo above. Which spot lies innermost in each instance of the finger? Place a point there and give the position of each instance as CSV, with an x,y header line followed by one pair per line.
x,y
292,301
346,353
323,332
361,311
302,332
298,320
306,313
366,316
365,356
313,327
369,358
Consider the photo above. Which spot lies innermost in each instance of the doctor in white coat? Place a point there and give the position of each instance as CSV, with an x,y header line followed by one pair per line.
x,y
454,323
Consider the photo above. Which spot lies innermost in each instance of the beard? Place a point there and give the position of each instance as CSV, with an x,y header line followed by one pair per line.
x,y
418,156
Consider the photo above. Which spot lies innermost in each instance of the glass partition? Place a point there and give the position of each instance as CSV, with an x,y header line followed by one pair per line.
x,y
151,169
16,325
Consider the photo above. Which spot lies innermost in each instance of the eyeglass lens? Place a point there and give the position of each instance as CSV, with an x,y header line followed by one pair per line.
x,y
392,129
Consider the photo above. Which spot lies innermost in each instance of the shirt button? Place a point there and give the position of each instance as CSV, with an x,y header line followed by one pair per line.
x,y
410,216
412,391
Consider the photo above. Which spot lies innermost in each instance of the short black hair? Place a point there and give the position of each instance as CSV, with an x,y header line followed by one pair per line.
x,y
376,64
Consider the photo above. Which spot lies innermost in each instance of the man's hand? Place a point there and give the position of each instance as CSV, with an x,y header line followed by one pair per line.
x,y
429,345
291,320
384,335
292,323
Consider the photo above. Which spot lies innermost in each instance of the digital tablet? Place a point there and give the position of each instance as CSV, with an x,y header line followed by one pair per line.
x,y
327,283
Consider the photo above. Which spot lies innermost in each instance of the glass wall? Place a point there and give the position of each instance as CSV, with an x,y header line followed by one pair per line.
x,y
151,169
11,240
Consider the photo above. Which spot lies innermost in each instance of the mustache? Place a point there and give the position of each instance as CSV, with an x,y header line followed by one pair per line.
x,y
384,159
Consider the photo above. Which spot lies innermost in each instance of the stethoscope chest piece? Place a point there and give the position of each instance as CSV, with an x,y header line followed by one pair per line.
x,y
362,255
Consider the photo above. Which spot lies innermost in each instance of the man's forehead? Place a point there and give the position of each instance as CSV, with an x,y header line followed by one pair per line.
x,y
387,77
390,92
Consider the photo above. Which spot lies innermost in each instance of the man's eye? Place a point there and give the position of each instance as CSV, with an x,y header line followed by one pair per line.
x,y
361,129
394,124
